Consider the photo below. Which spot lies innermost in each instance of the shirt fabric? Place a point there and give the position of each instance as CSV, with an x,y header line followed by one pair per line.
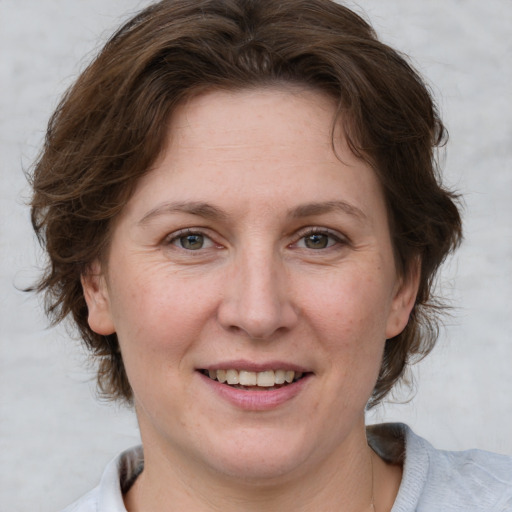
x,y
432,481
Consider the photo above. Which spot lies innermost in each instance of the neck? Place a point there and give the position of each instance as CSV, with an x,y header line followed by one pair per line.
x,y
345,480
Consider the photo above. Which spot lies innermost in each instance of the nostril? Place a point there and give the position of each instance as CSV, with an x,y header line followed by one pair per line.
x,y
256,305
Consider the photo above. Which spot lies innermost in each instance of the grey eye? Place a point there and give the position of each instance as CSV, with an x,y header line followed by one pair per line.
x,y
317,241
191,242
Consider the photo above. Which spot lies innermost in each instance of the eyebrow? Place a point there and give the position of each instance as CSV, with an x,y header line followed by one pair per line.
x,y
198,208
208,211
310,209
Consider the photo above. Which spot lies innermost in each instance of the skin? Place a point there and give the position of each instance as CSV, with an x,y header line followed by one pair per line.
x,y
261,288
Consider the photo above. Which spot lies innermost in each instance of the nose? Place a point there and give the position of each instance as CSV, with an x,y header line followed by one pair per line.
x,y
257,298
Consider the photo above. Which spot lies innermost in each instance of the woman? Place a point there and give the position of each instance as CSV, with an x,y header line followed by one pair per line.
x,y
243,216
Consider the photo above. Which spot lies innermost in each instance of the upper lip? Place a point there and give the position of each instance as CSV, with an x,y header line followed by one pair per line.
x,y
253,366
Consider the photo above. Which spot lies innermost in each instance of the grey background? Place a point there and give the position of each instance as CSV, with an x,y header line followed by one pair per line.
x,y
55,437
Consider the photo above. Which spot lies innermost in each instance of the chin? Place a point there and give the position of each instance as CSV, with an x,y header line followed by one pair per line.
x,y
259,457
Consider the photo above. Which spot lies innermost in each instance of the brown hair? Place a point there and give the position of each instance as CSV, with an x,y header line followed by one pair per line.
x,y
111,126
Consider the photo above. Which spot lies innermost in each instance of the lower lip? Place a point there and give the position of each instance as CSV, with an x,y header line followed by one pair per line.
x,y
256,400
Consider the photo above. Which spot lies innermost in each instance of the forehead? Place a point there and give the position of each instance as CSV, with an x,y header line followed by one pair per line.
x,y
275,144
249,119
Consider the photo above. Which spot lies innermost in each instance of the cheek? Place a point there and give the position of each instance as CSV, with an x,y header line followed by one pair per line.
x,y
353,305
159,314
349,318
155,330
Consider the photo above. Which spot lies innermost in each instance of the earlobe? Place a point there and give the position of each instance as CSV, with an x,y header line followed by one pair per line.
x,y
97,298
403,301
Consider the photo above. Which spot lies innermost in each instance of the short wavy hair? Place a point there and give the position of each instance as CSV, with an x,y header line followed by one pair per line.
x,y
112,123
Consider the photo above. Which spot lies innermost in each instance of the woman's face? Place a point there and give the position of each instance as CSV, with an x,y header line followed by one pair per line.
x,y
250,252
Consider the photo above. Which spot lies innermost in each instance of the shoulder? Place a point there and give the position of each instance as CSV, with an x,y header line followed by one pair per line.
x,y
433,480
473,480
108,495
87,503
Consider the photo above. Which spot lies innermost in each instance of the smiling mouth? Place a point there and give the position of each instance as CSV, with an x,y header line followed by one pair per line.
x,y
255,381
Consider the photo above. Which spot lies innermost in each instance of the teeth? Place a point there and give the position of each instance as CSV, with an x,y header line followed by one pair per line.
x,y
265,379
232,377
247,378
280,376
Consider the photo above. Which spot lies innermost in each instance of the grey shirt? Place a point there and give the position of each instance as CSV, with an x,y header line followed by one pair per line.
x,y
433,480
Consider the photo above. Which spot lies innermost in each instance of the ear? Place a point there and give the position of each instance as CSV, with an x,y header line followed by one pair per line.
x,y
403,300
98,301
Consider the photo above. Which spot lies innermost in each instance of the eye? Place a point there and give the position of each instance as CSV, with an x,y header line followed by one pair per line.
x,y
318,239
191,241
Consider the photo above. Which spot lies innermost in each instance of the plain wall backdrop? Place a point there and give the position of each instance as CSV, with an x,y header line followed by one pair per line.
x,y
55,437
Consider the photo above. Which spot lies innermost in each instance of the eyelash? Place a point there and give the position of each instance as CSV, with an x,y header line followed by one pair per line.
x,y
173,238
302,235
311,231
